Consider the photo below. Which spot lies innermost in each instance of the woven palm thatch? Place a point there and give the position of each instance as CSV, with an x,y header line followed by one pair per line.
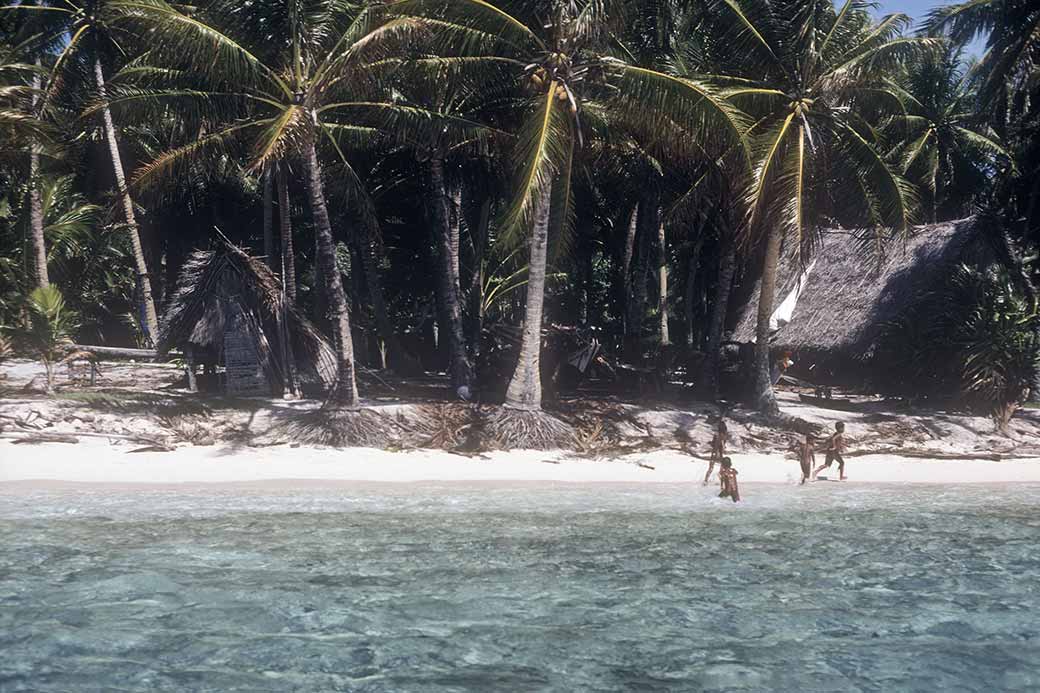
x,y
849,295
216,285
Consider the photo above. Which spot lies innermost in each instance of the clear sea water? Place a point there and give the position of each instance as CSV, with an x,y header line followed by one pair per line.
x,y
831,587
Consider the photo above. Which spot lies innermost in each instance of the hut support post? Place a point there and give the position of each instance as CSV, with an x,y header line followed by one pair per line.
x,y
189,358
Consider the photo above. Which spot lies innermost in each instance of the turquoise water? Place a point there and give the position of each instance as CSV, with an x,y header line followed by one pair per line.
x,y
520,588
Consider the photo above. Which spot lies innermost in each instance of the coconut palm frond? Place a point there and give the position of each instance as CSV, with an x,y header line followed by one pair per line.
x,y
540,154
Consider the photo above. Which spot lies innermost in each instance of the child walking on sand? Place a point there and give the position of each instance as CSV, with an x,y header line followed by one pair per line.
x,y
728,480
718,449
806,456
833,449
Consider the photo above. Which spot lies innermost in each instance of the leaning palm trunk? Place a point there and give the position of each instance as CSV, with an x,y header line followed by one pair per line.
x,y
285,230
763,397
344,392
525,388
39,247
521,423
269,218
144,285
448,280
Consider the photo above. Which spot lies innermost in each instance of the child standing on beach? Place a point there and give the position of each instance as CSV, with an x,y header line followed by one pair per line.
x,y
718,449
806,456
834,447
728,480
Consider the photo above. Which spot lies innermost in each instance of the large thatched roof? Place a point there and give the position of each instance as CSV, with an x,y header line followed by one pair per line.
x,y
848,294
215,285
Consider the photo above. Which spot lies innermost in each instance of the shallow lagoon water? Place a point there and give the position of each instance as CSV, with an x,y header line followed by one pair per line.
x,y
523,587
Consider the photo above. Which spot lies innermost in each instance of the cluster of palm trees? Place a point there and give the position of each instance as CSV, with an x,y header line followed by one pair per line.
x,y
574,145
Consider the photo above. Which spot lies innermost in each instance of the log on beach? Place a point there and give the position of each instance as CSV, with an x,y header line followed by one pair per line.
x,y
937,455
33,438
119,352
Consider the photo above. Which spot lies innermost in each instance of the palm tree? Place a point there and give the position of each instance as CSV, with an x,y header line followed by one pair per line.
x,y
86,30
452,89
52,326
810,75
22,125
555,51
1012,30
940,140
319,90
1008,93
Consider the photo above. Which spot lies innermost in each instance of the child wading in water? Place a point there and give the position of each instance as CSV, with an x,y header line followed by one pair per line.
x,y
728,480
835,446
718,449
806,456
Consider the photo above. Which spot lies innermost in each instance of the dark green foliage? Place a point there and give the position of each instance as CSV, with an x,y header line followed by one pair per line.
x,y
730,120
976,333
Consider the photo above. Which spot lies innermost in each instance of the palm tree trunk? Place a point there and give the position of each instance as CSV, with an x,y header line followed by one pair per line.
x,y
344,392
455,191
662,282
764,398
476,287
321,304
646,233
285,230
709,377
359,311
144,285
525,388
627,251
446,231
39,246
690,288
621,260
269,218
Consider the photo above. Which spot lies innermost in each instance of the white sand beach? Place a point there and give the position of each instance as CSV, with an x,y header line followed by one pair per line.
x,y
97,461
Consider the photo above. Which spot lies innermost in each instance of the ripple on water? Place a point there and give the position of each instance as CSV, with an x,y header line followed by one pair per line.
x,y
485,587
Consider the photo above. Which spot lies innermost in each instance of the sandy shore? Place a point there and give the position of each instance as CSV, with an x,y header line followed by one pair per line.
x,y
95,461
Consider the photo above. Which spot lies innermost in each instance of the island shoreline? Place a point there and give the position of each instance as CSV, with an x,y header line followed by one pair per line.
x,y
98,463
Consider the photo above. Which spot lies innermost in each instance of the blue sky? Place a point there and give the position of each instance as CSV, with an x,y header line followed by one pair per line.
x,y
919,9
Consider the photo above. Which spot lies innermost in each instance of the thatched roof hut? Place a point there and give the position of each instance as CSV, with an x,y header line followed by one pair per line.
x,y
839,302
224,295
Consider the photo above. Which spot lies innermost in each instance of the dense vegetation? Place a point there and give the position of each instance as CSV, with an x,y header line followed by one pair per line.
x,y
427,172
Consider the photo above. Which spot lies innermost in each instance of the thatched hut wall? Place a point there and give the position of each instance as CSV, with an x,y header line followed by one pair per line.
x,y
852,293
215,285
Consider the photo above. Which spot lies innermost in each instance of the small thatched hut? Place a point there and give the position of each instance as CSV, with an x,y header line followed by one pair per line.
x,y
229,309
834,310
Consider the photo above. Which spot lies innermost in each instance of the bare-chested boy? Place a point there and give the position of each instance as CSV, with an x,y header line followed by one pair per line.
x,y
728,480
833,449
718,449
806,456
